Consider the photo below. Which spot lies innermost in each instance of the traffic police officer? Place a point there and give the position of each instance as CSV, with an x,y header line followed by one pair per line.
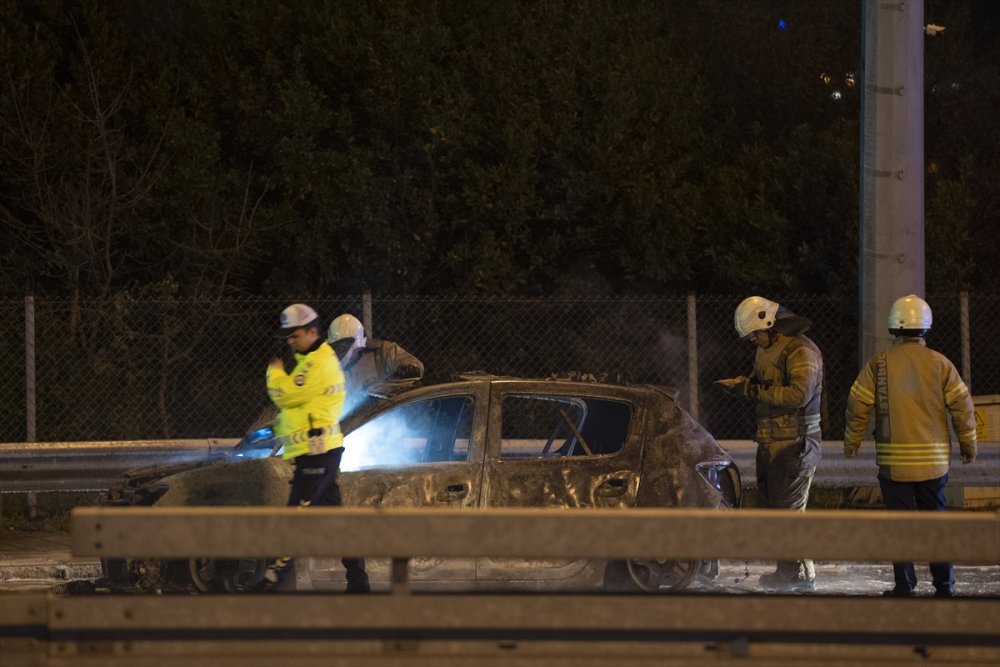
x,y
310,400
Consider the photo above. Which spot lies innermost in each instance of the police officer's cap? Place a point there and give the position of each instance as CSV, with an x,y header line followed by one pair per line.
x,y
296,316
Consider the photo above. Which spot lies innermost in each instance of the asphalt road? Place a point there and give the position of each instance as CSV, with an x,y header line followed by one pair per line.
x,y
32,560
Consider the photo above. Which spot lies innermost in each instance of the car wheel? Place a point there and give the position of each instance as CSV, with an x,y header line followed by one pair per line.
x,y
663,576
226,575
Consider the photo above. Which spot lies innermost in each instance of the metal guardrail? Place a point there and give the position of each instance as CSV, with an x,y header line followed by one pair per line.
x,y
229,532
550,630
836,471
92,466
95,466
406,628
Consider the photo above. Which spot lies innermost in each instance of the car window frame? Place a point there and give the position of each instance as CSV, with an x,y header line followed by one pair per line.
x,y
561,389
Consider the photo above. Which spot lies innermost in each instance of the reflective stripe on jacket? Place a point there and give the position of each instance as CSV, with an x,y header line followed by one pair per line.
x,y
787,385
911,403
310,398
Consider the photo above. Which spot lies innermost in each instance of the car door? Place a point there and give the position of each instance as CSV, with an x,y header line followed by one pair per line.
x,y
564,445
422,449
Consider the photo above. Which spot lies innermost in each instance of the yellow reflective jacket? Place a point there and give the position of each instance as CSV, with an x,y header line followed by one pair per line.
x,y
912,390
309,399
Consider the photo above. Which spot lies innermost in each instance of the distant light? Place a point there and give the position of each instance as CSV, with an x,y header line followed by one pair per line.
x,y
835,95
825,78
955,85
782,24
850,79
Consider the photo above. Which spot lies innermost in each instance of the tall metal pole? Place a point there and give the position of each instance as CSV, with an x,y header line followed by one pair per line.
x,y
29,387
366,313
692,322
963,304
29,369
892,154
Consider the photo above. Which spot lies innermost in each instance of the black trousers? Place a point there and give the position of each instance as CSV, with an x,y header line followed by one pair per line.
x,y
314,484
927,495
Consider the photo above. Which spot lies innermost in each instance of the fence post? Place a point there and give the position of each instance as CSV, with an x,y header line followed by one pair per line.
x,y
30,434
366,313
692,317
29,369
963,300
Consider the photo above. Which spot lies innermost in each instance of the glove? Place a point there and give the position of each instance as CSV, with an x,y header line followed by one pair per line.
x,y
850,451
407,371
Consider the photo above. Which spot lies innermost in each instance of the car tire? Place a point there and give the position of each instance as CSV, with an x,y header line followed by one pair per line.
x,y
209,575
662,576
634,576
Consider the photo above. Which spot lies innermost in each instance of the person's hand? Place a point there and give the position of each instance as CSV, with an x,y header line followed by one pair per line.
x,y
407,371
729,383
967,458
850,451
276,363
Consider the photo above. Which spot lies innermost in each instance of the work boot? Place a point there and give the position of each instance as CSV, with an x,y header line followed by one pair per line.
x,y
358,587
944,592
278,577
357,578
898,592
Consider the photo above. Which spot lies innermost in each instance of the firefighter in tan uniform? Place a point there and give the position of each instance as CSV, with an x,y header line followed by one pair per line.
x,y
368,363
786,387
912,390
309,401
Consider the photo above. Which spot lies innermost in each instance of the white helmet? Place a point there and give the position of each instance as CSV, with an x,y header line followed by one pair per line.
x,y
910,313
753,314
296,316
344,328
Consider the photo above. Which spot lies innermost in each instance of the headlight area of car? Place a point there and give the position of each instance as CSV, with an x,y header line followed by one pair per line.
x,y
259,444
723,476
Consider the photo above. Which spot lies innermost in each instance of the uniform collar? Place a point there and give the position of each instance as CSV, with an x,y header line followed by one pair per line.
x,y
900,340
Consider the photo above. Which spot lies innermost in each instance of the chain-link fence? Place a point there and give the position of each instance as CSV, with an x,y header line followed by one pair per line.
x,y
132,369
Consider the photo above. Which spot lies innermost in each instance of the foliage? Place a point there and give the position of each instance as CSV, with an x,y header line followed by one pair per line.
x,y
202,149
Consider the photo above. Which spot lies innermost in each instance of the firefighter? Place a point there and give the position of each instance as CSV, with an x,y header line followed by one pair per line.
x,y
912,390
309,401
785,387
368,363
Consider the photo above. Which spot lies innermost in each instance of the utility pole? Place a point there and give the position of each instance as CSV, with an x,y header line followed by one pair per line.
x,y
891,261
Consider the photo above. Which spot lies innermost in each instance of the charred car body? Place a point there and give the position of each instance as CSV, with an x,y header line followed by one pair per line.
x,y
478,442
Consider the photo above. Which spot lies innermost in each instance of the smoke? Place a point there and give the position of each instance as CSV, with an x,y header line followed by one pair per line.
x,y
672,362
387,441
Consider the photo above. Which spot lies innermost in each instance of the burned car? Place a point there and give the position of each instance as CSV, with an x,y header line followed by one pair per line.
x,y
478,442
